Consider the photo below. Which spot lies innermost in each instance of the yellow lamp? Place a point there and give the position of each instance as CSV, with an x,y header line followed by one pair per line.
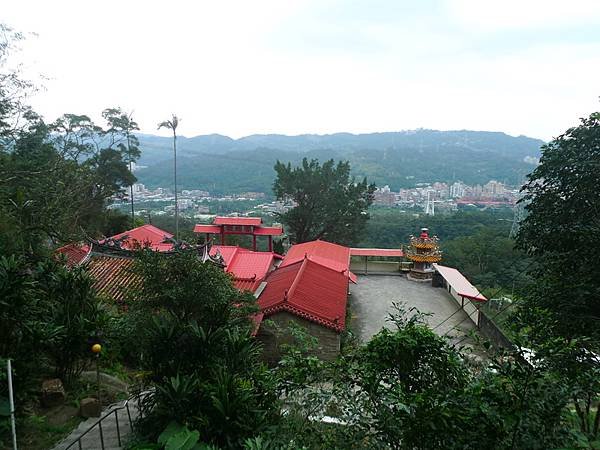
x,y
96,348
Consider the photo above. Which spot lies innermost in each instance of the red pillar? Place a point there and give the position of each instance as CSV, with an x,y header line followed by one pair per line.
x,y
270,243
207,238
222,236
254,242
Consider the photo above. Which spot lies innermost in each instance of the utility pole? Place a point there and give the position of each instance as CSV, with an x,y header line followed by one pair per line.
x,y
429,206
11,405
175,181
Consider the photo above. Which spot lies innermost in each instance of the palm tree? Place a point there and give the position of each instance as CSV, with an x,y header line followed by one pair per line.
x,y
132,141
172,125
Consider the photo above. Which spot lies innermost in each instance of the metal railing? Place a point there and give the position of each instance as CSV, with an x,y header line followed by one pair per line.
x,y
98,423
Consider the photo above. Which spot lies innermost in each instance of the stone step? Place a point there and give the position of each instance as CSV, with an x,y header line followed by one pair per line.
x,y
91,440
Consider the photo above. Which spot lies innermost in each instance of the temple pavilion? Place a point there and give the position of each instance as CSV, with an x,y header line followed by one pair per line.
x,y
423,251
252,226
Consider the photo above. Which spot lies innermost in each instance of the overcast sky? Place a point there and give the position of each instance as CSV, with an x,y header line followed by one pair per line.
x,y
241,67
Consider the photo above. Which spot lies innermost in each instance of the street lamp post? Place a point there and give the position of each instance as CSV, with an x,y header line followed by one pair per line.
x,y
96,349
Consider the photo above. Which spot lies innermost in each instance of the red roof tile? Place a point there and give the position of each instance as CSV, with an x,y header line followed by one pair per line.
x,y
268,231
112,275
248,268
246,284
226,251
309,290
200,228
352,277
256,222
334,256
219,220
145,236
74,253
337,255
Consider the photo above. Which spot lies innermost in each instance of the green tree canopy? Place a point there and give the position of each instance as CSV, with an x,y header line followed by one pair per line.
x,y
189,289
54,191
330,204
562,229
56,179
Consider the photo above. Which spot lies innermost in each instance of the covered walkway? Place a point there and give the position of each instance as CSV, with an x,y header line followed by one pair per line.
x,y
466,295
379,265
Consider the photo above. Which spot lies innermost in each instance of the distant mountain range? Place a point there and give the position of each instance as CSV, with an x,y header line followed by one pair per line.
x,y
222,165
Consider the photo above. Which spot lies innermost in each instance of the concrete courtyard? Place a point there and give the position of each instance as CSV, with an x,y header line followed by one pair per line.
x,y
371,303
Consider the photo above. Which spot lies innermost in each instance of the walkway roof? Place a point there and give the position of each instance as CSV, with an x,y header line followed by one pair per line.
x,y
459,283
376,252
220,220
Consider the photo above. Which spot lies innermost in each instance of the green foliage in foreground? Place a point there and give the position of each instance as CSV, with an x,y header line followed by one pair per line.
x,y
47,316
405,389
409,389
55,181
195,346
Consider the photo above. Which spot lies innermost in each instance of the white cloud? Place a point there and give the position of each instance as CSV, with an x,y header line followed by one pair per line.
x,y
513,14
238,67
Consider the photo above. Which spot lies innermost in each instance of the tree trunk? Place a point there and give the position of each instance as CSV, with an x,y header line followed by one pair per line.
x,y
131,185
582,418
596,422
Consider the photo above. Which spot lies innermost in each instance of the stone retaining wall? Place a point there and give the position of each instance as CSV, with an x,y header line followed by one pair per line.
x,y
491,331
276,333
485,324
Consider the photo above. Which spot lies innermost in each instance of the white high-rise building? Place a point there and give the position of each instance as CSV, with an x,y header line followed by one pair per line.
x,y
493,188
138,188
457,190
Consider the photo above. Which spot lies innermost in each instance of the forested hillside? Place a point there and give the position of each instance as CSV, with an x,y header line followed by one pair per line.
x,y
223,165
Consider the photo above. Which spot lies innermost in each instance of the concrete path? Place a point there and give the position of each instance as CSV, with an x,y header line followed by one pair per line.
x,y
92,440
371,303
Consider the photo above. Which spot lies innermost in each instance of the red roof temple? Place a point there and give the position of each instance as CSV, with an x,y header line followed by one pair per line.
x,y
252,226
307,289
333,256
144,236
247,267
73,253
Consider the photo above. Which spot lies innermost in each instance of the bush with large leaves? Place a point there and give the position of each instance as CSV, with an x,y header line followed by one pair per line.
x,y
47,315
23,324
198,353
75,313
